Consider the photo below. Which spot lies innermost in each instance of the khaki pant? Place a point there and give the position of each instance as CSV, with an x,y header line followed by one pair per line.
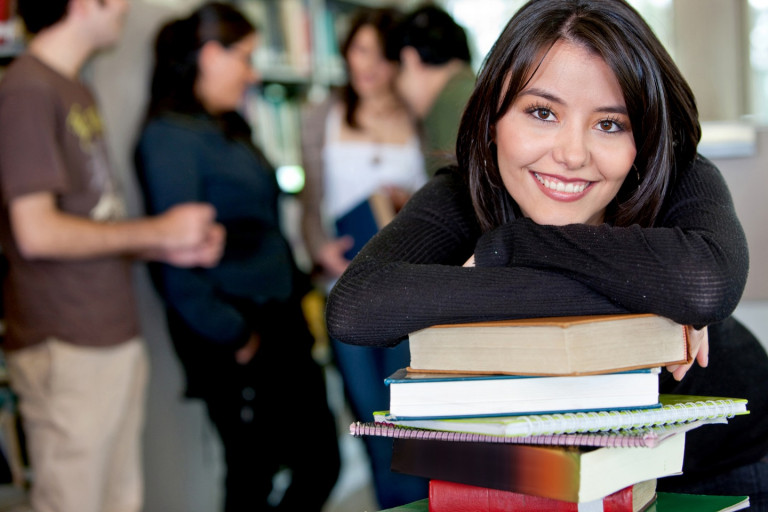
x,y
83,413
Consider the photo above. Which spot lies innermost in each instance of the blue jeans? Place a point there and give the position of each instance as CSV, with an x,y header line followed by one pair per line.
x,y
750,480
363,370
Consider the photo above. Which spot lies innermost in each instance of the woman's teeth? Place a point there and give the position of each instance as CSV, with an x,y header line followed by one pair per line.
x,y
559,186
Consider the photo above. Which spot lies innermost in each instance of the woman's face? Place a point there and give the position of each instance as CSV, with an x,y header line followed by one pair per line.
x,y
370,73
224,74
565,145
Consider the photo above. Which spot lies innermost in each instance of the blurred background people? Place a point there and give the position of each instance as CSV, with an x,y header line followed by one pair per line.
x,y
436,78
361,141
238,328
76,359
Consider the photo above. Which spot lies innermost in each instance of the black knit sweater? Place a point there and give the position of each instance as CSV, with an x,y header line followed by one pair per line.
x,y
690,267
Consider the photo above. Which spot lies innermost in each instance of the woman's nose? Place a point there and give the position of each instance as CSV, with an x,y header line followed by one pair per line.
x,y
571,148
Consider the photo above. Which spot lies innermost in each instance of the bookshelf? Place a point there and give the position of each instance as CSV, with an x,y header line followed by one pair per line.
x,y
299,38
299,62
11,33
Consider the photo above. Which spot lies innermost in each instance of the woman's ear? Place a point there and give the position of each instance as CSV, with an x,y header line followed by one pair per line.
x,y
208,54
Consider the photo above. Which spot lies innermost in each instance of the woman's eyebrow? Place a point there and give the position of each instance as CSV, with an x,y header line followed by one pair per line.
x,y
541,93
553,98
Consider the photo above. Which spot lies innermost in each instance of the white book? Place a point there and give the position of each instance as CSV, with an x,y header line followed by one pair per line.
x,y
424,395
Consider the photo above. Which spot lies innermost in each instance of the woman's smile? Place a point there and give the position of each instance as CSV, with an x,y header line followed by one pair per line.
x,y
561,189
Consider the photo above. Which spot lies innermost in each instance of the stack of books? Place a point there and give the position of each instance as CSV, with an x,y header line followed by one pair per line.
x,y
544,414
664,502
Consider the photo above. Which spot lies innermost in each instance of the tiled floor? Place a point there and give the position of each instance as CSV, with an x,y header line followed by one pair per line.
x,y
13,499
353,491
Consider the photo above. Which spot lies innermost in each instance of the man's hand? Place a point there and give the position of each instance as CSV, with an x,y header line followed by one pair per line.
x,y
190,236
186,233
698,350
186,225
206,254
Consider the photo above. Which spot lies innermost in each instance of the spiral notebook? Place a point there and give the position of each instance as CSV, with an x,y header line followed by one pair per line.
x,y
674,409
646,437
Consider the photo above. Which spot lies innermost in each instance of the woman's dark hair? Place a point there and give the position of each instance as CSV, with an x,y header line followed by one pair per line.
x,y
176,50
383,20
661,105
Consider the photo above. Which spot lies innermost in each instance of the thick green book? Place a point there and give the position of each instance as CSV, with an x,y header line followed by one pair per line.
x,y
665,502
674,502
416,506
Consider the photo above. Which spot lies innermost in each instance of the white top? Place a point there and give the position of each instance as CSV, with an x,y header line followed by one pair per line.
x,y
356,169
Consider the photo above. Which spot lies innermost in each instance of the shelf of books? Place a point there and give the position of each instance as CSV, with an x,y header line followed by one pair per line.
x,y
299,61
594,434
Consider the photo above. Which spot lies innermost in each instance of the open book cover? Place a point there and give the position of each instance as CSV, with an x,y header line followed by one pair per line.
x,y
365,220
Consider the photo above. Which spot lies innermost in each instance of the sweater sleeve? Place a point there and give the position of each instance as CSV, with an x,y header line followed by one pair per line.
x,y
690,267
170,173
410,276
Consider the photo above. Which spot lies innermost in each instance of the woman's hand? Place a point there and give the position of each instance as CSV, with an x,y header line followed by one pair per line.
x,y
331,255
698,349
398,195
245,353
470,262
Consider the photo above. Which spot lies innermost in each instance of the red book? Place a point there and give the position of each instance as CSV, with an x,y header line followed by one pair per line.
x,y
454,497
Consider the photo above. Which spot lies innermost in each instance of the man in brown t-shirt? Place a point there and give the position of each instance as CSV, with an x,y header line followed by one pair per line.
x,y
75,357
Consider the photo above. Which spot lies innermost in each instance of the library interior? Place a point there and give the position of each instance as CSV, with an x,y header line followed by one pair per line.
x,y
720,46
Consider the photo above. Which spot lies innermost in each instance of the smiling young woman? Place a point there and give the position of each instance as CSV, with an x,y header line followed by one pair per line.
x,y
579,191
